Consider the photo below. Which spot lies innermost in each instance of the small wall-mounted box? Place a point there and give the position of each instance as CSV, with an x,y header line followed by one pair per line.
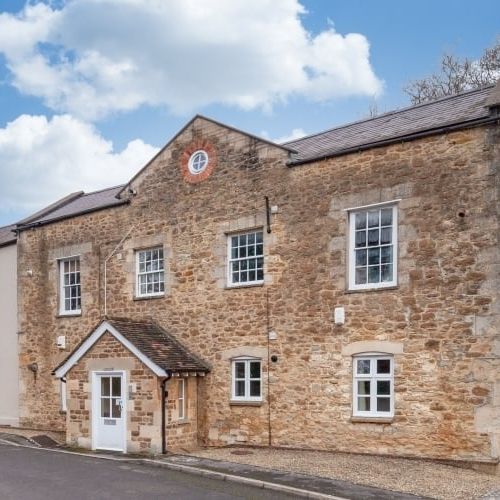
x,y
339,315
61,342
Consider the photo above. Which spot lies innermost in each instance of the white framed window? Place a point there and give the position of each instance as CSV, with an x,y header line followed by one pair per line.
x,y
246,258
150,266
373,247
181,399
373,385
70,290
247,379
198,162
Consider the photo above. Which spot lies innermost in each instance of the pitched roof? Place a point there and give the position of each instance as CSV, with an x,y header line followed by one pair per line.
x,y
465,108
159,346
7,236
150,343
75,204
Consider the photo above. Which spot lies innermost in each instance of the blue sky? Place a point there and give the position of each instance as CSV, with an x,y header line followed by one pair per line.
x,y
83,106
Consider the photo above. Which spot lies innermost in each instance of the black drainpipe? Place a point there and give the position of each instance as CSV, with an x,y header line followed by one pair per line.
x,y
164,396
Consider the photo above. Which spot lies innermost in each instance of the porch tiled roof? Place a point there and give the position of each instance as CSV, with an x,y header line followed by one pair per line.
x,y
159,346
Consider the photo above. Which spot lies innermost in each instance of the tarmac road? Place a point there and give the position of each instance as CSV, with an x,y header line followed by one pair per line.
x,y
33,474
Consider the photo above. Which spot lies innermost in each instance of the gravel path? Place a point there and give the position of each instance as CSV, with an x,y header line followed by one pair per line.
x,y
419,477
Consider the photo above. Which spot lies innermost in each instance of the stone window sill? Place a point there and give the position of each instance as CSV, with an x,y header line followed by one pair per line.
x,y
75,315
152,297
379,289
239,287
372,420
244,403
182,421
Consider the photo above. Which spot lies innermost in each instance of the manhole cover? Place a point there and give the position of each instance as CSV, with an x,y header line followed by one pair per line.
x,y
45,441
242,452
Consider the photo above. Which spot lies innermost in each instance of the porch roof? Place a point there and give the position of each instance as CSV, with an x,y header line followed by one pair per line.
x,y
148,341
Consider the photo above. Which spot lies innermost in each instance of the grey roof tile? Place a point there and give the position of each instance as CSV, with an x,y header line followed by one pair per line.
x,y
465,107
7,236
76,204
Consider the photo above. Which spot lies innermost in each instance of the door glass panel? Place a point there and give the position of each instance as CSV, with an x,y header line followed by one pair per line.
x,y
105,410
116,410
105,386
116,386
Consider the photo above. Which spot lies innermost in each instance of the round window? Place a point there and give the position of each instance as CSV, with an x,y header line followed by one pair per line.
x,y
198,162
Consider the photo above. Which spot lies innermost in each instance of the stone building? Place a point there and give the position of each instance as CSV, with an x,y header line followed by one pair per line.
x,y
336,292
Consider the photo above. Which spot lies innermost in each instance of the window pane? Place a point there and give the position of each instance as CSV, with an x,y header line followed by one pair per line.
x,y
386,255
373,237
361,276
373,218
386,272
116,386
364,404
383,387
361,257
260,249
105,386
361,220
385,235
386,217
363,366
240,370
260,275
255,369
363,387
105,410
384,404
243,240
116,411
383,366
374,274
234,241
259,237
251,238
361,238
255,388
240,388
373,256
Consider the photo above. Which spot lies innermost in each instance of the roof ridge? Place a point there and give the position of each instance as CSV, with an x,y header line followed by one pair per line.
x,y
390,113
104,189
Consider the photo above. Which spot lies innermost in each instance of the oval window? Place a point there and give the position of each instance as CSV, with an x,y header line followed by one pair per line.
x,y
198,162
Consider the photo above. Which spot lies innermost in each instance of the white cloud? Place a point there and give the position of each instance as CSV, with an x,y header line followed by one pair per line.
x,y
42,160
94,57
296,133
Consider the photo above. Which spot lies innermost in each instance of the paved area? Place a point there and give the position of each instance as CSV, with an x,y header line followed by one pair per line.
x,y
34,474
414,477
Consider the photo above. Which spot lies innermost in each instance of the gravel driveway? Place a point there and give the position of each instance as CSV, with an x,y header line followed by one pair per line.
x,y
419,477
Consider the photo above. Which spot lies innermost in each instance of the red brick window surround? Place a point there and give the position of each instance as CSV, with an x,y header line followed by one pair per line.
x,y
198,161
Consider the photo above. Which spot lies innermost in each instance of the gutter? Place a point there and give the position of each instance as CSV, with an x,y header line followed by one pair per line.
x,y
397,140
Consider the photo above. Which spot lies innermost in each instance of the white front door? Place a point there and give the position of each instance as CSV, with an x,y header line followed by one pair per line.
x,y
109,411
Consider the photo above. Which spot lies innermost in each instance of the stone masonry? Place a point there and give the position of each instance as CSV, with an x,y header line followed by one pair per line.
x,y
440,322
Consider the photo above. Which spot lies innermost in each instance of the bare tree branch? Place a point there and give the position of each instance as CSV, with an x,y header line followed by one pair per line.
x,y
457,75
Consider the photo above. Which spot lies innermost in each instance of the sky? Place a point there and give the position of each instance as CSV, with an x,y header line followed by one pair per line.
x,y
91,89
